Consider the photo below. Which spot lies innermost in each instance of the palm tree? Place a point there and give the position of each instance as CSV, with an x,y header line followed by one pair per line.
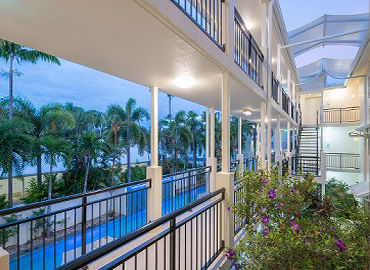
x,y
49,119
129,120
55,149
15,147
12,53
197,128
91,146
176,136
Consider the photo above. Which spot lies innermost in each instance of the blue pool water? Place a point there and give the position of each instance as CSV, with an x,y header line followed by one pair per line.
x,y
112,229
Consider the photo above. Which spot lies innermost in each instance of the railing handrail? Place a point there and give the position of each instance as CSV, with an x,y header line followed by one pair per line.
x,y
187,171
115,244
341,108
248,34
341,153
17,209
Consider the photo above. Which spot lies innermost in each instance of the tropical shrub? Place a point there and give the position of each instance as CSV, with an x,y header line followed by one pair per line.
x,y
289,226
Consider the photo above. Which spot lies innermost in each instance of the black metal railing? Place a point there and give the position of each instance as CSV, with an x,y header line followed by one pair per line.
x,y
284,101
342,115
275,88
207,15
182,188
195,240
48,234
238,199
247,54
292,111
250,163
306,164
342,161
285,166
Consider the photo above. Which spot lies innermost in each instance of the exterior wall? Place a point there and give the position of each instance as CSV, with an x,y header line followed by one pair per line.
x,y
350,178
337,140
310,105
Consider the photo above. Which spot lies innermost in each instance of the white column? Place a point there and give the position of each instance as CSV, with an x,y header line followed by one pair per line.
x,y
207,134
293,142
269,126
225,123
278,62
212,160
263,136
240,156
364,141
278,141
154,172
323,171
228,27
4,259
288,137
224,178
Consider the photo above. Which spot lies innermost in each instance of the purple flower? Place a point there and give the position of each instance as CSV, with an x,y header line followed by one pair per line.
x,y
321,259
296,226
237,266
265,220
279,207
267,230
291,216
264,181
230,254
331,230
272,194
306,241
295,191
342,247
228,208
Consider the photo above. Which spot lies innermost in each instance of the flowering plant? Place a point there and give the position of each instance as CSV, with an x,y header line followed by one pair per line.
x,y
289,226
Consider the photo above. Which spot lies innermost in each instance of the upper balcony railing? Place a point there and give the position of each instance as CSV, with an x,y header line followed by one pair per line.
x,y
285,101
343,161
247,54
207,15
275,88
341,115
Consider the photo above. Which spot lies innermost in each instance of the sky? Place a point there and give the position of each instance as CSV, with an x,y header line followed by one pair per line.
x,y
47,83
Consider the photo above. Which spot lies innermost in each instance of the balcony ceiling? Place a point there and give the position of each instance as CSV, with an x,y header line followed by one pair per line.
x,y
124,39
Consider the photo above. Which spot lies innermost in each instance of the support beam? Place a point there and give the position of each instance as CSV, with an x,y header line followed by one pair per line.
x,y
278,157
225,123
262,153
240,156
212,160
224,179
207,134
278,62
324,38
154,172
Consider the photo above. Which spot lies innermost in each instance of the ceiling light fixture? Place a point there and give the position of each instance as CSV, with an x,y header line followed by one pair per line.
x,y
247,112
185,82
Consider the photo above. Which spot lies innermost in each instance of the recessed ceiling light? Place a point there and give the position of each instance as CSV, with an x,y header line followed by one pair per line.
x,y
352,96
185,82
247,112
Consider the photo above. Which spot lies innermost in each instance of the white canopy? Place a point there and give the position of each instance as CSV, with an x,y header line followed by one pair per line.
x,y
324,73
361,190
328,25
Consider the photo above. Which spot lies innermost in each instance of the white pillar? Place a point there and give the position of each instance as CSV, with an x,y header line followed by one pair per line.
x,y
263,136
224,178
154,172
212,160
4,259
323,170
293,142
269,126
278,62
278,143
288,136
240,156
208,180
225,123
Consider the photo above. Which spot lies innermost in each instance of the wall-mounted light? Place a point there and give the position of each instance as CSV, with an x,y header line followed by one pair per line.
x,y
184,82
247,112
266,120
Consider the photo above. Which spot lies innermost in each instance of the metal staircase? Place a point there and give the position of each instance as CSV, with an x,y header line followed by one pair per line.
x,y
307,159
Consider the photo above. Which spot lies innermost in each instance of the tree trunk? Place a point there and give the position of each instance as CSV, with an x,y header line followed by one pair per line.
x,y
128,164
10,186
194,155
11,86
39,169
50,180
87,171
128,157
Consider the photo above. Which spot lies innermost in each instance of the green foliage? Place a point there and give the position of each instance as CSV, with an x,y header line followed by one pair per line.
x,y
35,192
137,173
3,202
290,227
341,195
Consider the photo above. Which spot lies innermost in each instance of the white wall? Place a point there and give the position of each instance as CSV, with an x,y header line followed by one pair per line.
x,y
349,178
337,140
342,97
310,105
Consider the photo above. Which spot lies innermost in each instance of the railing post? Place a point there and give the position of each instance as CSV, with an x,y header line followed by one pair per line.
x,y
84,223
173,244
189,186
